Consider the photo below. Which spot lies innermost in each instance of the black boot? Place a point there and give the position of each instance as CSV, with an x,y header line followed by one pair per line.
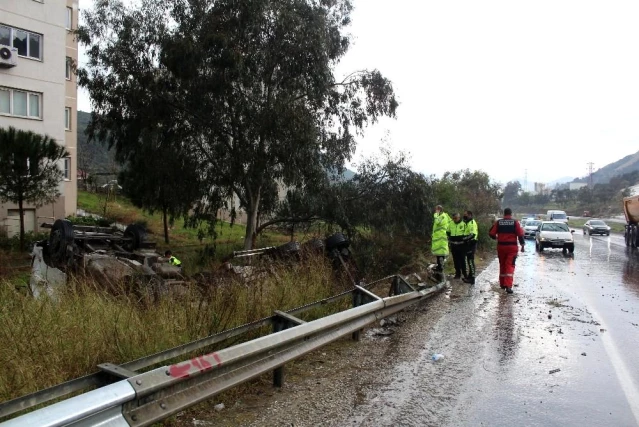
x,y
470,280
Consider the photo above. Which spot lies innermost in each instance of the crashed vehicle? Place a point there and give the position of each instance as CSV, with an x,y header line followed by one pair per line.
x,y
336,247
113,256
109,255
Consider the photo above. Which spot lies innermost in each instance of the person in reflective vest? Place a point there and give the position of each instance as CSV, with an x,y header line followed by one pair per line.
x,y
507,231
472,232
439,241
456,234
172,260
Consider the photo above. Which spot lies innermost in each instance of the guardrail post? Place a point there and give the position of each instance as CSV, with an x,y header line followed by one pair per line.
x,y
278,373
357,301
394,290
362,296
281,321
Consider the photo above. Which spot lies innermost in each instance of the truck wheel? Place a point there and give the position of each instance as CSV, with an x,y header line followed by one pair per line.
x,y
633,236
626,235
135,234
336,241
571,249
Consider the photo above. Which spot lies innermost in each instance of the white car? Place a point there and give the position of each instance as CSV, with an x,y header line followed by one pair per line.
x,y
557,235
530,229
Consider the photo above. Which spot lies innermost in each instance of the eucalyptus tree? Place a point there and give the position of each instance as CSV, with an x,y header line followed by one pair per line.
x,y
249,85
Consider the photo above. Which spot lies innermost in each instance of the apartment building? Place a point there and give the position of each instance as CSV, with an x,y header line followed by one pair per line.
x,y
38,91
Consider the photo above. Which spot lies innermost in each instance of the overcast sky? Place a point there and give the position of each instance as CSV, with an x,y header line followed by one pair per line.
x,y
502,86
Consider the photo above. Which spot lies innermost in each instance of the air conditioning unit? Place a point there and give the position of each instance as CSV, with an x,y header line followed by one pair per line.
x,y
8,56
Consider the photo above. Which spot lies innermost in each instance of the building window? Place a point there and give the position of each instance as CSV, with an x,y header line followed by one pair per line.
x,y
69,18
67,118
29,44
20,103
67,68
67,168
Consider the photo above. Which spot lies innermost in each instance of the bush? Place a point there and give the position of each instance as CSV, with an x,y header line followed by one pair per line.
x,y
484,242
382,255
90,220
13,243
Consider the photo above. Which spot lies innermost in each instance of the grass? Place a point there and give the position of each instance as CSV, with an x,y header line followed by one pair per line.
x,y
50,340
120,209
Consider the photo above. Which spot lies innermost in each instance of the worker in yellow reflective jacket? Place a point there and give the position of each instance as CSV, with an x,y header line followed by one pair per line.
x,y
172,260
439,243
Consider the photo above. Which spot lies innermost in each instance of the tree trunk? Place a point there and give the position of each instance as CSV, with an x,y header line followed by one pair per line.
x,y
251,220
166,225
21,213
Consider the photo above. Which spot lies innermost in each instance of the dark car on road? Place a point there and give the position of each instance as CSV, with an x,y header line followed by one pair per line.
x,y
596,226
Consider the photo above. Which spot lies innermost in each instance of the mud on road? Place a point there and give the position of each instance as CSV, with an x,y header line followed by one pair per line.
x,y
560,351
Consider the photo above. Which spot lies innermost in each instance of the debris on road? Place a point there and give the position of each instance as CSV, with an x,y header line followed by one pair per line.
x,y
583,354
554,371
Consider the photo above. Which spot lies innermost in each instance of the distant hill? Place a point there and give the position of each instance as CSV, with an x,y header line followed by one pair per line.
x,y
93,157
626,165
561,180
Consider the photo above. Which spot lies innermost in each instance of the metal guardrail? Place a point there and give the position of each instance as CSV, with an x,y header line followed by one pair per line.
x,y
140,399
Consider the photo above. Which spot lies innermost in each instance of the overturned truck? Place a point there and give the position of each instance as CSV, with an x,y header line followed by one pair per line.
x,y
109,255
115,256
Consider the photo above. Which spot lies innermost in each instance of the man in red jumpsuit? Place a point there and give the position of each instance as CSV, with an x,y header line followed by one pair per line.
x,y
507,231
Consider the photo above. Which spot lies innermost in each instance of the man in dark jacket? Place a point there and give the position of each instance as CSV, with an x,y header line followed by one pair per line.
x,y
507,231
456,234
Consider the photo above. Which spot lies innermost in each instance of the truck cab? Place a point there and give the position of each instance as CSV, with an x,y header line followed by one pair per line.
x,y
557,216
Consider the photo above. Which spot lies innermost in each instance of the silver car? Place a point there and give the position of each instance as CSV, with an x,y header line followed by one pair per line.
x,y
530,229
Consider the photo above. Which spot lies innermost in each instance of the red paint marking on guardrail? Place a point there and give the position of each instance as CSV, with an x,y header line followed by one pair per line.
x,y
182,370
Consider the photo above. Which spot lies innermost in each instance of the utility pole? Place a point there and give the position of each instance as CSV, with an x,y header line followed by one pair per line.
x,y
590,171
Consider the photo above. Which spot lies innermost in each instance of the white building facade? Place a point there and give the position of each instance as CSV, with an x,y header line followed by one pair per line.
x,y
38,91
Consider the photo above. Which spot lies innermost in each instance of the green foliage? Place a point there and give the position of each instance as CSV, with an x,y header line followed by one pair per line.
x,y
384,196
30,171
89,220
465,189
160,177
248,87
511,193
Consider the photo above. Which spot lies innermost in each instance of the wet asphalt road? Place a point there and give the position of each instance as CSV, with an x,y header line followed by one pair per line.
x,y
562,351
